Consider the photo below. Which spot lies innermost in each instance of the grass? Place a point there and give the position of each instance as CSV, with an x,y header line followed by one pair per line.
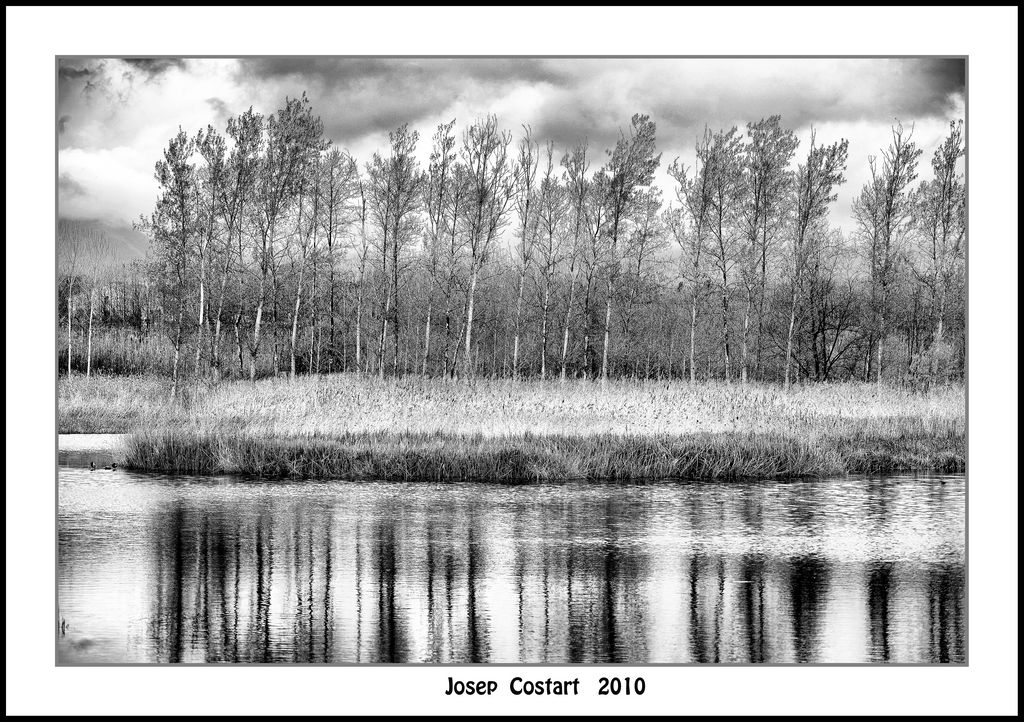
x,y
352,427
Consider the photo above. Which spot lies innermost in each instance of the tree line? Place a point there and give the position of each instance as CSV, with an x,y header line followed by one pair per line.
x,y
273,251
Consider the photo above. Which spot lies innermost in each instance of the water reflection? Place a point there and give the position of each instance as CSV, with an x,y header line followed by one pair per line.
x,y
188,570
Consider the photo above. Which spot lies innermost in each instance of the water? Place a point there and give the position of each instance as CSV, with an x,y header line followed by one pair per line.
x,y
182,569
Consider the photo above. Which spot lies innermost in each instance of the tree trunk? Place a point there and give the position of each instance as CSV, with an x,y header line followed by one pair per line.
x,y
202,316
544,332
277,329
314,308
215,343
789,336
881,336
88,344
394,271
254,349
384,334
177,349
359,340
607,329
295,317
469,322
71,311
725,328
331,355
568,319
693,338
515,343
238,341
746,328
426,340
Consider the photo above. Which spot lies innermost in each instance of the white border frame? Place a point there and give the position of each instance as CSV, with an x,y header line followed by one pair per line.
x,y
987,685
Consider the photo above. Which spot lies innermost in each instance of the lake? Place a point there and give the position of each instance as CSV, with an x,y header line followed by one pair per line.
x,y
154,568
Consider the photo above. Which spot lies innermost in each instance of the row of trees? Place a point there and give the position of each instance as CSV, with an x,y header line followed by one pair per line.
x,y
272,251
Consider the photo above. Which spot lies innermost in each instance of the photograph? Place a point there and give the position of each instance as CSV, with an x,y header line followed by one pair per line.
x,y
509,360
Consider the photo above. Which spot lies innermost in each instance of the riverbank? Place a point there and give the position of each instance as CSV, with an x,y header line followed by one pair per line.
x,y
351,427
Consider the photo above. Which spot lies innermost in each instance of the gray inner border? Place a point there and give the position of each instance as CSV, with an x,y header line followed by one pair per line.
x,y
584,665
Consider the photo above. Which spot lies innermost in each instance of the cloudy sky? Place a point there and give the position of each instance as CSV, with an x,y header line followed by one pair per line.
x,y
115,116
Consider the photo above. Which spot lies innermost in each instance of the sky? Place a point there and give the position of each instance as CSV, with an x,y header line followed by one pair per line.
x,y
115,116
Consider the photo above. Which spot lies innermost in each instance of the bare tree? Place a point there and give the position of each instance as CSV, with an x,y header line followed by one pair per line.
x,y
307,225
70,237
768,179
526,206
439,189
491,182
883,214
941,227
246,133
339,193
551,211
695,196
172,227
630,168
394,196
646,240
577,188
816,182
724,169
595,258
362,246
211,177
293,135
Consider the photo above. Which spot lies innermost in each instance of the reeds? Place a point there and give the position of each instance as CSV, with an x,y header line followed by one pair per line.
x,y
526,457
357,427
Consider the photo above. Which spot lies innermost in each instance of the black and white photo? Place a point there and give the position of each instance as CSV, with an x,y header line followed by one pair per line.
x,y
511,360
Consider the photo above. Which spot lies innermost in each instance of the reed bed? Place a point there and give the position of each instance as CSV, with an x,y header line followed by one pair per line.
x,y
351,427
526,457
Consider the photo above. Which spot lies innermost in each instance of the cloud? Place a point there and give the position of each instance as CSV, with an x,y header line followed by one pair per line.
x,y
152,68
220,109
125,110
69,188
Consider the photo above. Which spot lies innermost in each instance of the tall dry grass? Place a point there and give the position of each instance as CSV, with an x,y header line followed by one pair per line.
x,y
352,427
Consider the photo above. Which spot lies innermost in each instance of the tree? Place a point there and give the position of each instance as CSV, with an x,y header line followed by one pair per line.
x,y
69,256
339,193
256,226
294,135
551,211
362,257
525,201
724,169
491,181
883,214
307,225
630,168
695,195
766,161
394,196
173,227
210,187
439,190
647,238
246,133
940,210
814,190
577,190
